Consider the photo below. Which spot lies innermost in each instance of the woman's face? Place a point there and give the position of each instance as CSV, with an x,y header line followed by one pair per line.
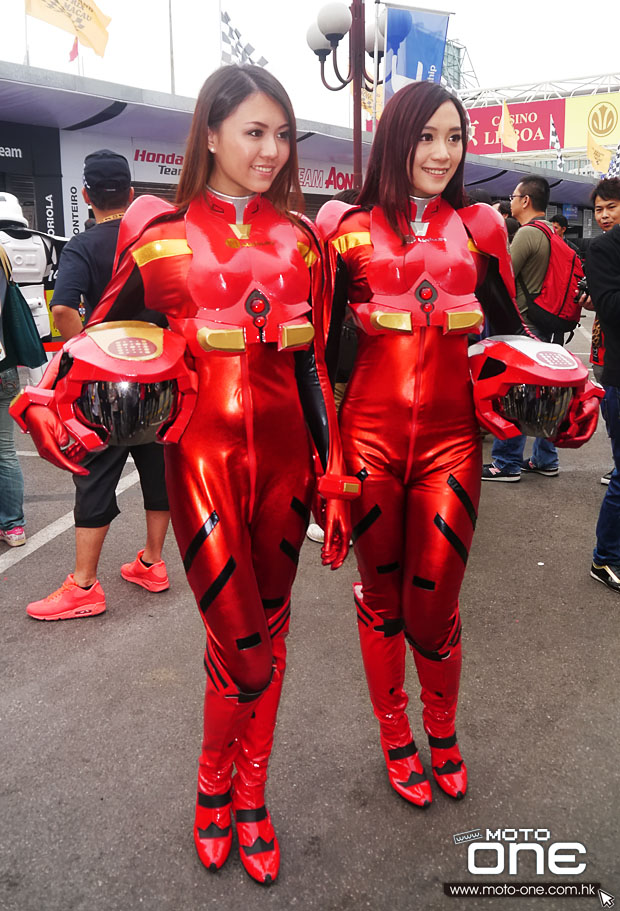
x,y
250,147
438,152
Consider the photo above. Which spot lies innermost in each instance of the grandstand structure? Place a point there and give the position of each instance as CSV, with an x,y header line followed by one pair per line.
x,y
590,104
458,70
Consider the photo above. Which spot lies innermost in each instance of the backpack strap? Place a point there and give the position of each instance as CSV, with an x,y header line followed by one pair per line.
x,y
5,262
530,298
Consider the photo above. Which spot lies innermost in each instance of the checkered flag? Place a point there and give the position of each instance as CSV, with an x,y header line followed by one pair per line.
x,y
233,49
614,164
554,143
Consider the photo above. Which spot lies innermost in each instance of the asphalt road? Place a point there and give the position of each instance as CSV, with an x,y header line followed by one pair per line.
x,y
101,722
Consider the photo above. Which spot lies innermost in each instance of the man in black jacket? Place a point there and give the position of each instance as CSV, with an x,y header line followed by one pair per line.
x,y
603,271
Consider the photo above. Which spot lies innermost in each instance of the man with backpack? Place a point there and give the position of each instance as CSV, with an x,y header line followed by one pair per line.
x,y
546,275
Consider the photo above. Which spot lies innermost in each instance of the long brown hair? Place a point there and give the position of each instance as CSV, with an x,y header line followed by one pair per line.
x,y
220,95
387,181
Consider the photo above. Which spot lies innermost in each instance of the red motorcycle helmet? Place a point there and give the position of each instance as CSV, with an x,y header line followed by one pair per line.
x,y
522,385
124,383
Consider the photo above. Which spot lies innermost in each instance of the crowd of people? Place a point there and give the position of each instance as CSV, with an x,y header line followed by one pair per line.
x,y
262,299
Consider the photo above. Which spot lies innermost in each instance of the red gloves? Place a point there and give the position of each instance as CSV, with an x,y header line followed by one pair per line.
x,y
582,418
337,524
51,439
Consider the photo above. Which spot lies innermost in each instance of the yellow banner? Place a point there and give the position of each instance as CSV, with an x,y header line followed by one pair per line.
x,y
598,115
507,133
600,158
79,17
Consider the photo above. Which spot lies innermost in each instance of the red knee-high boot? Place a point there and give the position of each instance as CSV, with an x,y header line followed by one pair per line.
x,y
383,652
258,845
226,715
439,674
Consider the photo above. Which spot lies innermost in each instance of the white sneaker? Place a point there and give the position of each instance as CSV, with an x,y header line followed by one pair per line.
x,y
14,537
315,533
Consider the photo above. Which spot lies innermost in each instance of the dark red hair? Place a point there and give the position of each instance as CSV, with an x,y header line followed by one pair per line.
x,y
388,182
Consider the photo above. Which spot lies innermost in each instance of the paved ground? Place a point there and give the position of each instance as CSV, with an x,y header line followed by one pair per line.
x,y
101,723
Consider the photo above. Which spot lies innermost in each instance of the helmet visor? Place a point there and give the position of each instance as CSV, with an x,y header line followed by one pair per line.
x,y
128,414
538,410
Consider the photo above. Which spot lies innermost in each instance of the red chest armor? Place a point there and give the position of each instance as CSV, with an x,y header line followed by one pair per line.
x,y
249,281
430,281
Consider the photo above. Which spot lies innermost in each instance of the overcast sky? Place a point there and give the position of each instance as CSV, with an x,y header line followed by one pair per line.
x,y
508,43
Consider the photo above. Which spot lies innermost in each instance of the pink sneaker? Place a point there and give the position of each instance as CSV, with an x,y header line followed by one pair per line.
x,y
154,578
14,537
69,602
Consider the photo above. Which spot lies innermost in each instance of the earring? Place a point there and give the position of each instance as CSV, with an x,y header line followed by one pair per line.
x,y
211,149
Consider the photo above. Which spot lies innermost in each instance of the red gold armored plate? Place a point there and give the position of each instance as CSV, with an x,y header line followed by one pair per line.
x,y
129,340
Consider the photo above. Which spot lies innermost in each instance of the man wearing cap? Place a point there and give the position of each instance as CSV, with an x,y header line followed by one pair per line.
x,y
84,270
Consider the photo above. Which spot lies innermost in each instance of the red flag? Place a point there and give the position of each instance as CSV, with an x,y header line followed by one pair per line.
x,y
74,51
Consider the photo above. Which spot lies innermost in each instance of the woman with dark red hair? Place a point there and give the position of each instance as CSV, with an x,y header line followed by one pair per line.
x,y
418,264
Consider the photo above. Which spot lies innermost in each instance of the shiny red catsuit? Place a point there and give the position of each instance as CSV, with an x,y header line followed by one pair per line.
x,y
240,481
409,432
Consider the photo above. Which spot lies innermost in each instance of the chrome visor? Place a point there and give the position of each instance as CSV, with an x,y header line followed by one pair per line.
x,y
130,413
538,410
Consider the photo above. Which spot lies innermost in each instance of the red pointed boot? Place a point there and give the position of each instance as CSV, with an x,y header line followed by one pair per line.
x,y
383,652
258,844
226,715
439,674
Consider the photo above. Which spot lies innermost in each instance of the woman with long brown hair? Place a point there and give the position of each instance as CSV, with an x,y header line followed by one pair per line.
x,y
418,266
237,275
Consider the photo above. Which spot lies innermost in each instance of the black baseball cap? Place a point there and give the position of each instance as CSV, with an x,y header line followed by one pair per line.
x,y
106,170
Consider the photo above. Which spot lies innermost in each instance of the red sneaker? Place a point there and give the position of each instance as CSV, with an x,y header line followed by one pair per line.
x,y
154,578
69,602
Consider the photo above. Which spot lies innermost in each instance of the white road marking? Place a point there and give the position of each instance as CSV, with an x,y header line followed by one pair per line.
x,y
15,554
587,334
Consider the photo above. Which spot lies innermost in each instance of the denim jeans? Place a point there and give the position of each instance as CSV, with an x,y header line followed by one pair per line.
x,y
607,548
508,454
11,477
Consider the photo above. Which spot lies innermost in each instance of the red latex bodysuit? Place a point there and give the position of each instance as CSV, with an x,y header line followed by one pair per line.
x,y
409,432
238,285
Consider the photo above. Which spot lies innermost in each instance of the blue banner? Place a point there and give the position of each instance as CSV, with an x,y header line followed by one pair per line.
x,y
414,47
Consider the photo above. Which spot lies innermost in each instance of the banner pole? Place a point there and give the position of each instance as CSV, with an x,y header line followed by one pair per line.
x,y
172,90
375,62
26,34
220,24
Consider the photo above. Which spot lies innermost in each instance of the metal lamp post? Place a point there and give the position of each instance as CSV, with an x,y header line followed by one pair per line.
x,y
333,23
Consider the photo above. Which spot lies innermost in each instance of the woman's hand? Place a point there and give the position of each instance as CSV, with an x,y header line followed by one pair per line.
x,y
337,533
51,438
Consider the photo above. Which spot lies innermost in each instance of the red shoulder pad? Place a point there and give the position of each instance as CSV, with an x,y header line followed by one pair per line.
x,y
308,229
330,216
487,229
138,216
